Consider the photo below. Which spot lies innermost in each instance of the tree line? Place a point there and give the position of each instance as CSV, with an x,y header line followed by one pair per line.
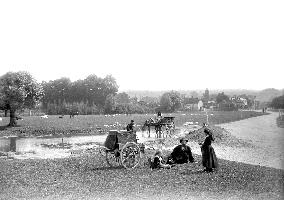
x,y
86,96
92,95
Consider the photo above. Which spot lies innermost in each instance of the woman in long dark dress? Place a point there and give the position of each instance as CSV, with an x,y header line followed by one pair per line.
x,y
209,159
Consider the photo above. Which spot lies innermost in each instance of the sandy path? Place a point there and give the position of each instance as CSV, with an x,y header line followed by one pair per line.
x,y
264,134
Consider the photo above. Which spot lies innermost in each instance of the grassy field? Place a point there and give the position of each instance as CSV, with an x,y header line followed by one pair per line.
x,y
89,177
91,124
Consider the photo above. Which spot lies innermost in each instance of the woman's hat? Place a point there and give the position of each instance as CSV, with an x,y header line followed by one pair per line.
x,y
183,139
206,130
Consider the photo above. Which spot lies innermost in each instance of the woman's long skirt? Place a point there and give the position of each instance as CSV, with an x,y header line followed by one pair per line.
x,y
209,159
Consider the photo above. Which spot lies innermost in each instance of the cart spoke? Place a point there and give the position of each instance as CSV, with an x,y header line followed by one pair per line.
x,y
112,159
130,155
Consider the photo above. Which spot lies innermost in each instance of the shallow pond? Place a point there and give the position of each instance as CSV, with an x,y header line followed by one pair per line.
x,y
39,147
54,147
60,147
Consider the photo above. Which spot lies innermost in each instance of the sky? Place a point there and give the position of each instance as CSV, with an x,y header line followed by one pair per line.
x,y
147,45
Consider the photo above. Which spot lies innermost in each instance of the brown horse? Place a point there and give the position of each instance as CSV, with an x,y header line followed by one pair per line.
x,y
147,125
151,122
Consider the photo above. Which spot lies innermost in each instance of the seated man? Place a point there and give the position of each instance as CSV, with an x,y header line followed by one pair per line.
x,y
130,126
181,153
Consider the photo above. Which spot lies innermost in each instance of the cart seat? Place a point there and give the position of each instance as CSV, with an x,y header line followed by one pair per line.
x,y
116,138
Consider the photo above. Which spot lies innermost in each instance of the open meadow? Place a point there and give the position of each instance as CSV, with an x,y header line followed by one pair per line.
x,y
98,124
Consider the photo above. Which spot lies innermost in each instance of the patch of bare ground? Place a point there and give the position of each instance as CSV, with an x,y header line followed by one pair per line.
x,y
89,177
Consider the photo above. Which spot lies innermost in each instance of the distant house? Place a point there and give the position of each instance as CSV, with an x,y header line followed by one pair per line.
x,y
212,105
191,103
239,102
200,105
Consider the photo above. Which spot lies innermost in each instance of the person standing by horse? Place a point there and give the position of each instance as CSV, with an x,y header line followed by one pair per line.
x,y
158,126
159,116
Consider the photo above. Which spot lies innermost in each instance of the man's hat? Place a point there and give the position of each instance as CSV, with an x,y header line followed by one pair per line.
x,y
183,139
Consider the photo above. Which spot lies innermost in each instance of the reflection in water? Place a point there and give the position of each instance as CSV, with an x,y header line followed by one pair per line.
x,y
49,147
8,144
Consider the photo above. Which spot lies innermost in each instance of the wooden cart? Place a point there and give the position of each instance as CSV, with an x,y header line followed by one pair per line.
x,y
122,149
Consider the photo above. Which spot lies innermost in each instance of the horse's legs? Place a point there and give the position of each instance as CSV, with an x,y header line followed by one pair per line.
x,y
156,129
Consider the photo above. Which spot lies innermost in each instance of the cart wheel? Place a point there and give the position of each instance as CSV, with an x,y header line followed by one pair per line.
x,y
130,155
112,159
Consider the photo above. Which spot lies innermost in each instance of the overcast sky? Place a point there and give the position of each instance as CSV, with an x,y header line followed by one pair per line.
x,y
147,45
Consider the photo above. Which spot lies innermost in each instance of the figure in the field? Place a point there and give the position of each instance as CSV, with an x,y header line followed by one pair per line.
x,y
181,153
130,127
158,161
158,126
209,159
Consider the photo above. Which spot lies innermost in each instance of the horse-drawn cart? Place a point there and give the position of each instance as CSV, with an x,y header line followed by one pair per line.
x,y
163,126
121,149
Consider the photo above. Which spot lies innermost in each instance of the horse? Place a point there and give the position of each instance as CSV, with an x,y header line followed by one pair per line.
x,y
147,124
151,122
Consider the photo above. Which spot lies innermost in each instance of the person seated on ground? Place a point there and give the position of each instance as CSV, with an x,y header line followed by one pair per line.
x,y
158,161
130,127
181,154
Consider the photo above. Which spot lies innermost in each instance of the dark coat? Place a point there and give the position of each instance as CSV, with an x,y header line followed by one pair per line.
x,y
182,154
130,127
157,162
209,159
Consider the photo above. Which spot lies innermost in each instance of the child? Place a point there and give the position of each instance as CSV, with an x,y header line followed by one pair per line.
x,y
158,161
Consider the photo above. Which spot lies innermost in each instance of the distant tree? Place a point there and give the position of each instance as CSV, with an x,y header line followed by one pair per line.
x,y
19,90
110,87
170,101
122,98
109,104
222,98
3,105
57,91
150,101
97,89
278,102
92,91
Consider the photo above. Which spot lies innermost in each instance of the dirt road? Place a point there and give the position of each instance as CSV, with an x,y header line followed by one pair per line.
x,y
264,134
